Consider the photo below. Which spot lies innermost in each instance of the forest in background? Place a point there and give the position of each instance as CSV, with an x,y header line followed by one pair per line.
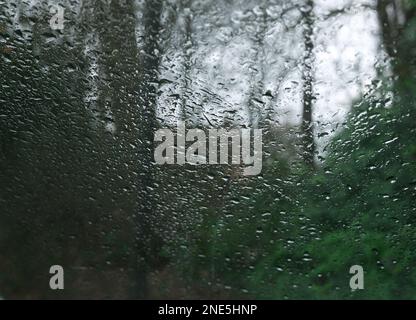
x,y
79,188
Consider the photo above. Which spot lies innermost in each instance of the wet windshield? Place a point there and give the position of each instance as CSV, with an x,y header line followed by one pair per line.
x,y
205,149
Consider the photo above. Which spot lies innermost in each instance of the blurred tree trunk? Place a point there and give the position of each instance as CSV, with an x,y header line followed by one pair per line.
x,y
255,103
185,8
394,16
308,142
128,94
149,242
388,25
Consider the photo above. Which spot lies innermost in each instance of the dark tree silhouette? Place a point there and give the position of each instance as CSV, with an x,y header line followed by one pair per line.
x,y
394,17
308,78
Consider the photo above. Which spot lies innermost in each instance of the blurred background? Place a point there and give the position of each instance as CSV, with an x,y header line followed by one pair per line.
x,y
331,83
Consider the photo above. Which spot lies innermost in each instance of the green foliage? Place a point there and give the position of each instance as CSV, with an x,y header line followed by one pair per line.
x,y
358,208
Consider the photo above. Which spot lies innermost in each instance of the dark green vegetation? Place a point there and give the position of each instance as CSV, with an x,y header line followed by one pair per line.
x,y
73,193
300,235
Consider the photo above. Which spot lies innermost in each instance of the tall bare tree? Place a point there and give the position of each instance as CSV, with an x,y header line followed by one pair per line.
x,y
255,102
186,11
308,142
128,92
148,88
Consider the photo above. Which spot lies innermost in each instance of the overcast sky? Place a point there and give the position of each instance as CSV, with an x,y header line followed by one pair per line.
x,y
346,54
226,60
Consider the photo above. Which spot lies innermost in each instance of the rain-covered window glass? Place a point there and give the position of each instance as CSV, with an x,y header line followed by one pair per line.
x,y
207,149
